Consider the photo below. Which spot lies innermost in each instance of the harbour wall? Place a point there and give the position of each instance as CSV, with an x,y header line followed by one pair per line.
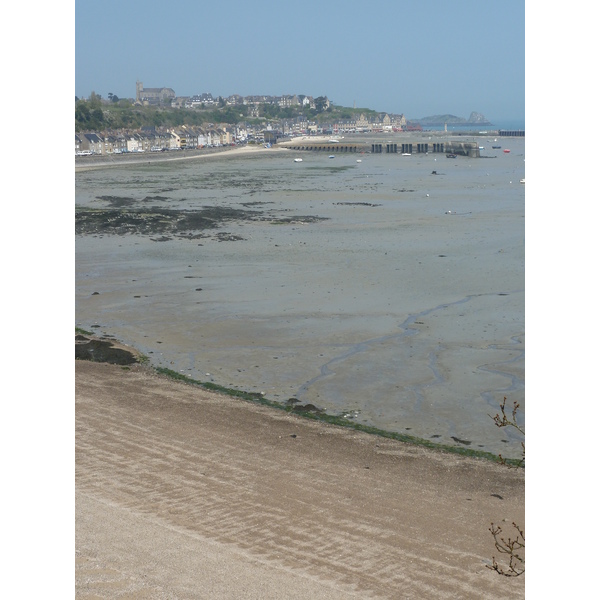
x,y
470,149
511,133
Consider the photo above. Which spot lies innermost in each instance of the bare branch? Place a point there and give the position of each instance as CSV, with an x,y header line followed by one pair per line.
x,y
510,547
504,421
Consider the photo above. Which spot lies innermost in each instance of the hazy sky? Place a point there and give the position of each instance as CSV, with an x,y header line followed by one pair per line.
x,y
417,57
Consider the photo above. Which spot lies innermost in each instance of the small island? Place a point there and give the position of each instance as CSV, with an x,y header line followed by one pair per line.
x,y
436,120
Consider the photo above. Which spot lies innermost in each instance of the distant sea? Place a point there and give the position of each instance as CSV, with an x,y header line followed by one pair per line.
x,y
517,124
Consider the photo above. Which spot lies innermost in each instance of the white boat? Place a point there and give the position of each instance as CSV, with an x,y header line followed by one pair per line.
x,y
522,180
406,154
331,156
358,160
297,160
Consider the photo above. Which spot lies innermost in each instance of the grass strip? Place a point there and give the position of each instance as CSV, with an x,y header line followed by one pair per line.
x,y
338,420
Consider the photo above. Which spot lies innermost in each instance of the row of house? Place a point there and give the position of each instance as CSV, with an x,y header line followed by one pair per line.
x,y
154,139
381,123
153,96
156,96
377,124
151,139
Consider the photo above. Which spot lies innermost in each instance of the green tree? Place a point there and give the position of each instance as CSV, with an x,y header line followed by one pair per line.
x,y
97,119
288,113
269,111
157,118
82,115
320,104
95,100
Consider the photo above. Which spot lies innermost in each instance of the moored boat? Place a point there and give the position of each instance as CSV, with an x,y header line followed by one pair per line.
x,y
451,155
506,150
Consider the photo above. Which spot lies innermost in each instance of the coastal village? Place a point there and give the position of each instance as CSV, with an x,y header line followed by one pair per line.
x,y
161,139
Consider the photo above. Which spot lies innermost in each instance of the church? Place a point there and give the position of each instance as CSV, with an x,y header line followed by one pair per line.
x,y
152,95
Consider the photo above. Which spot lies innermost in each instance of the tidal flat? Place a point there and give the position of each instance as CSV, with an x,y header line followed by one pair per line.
x,y
389,291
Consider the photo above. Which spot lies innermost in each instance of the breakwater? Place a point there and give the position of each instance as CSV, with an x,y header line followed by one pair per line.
x,y
327,146
511,133
470,149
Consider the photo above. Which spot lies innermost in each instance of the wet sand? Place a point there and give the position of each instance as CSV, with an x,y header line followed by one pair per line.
x,y
183,493
388,309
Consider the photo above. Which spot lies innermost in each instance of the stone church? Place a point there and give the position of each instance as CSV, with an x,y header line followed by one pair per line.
x,y
152,95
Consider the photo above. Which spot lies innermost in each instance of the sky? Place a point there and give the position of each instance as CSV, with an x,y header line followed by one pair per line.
x,y
411,57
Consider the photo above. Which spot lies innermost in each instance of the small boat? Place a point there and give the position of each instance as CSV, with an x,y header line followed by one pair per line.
x,y
522,180
331,156
506,150
496,147
297,160
406,154
358,160
451,155
482,147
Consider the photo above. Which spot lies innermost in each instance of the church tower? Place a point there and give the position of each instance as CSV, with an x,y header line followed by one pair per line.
x,y
139,87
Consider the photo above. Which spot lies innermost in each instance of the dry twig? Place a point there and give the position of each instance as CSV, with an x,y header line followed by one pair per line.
x,y
512,548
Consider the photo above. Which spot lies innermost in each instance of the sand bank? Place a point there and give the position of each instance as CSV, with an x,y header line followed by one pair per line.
x,y
183,493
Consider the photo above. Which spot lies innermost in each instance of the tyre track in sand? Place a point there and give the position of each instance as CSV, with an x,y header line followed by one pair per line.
x,y
182,493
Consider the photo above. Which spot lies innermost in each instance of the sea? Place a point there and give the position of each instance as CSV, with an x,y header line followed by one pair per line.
x,y
383,288
504,124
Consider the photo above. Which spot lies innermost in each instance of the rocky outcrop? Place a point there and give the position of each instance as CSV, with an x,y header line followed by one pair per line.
x,y
475,119
478,118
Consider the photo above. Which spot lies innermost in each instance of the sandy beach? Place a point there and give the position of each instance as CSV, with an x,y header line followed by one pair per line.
x,y
185,493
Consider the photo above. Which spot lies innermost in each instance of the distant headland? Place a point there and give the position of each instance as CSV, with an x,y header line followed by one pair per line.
x,y
435,120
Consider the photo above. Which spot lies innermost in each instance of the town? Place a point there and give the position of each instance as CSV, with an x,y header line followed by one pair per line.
x,y
254,127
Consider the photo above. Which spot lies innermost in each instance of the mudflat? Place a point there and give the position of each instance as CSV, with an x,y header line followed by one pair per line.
x,y
186,493
376,290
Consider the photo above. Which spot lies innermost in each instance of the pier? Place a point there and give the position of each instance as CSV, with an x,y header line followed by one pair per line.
x,y
470,149
326,146
511,133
